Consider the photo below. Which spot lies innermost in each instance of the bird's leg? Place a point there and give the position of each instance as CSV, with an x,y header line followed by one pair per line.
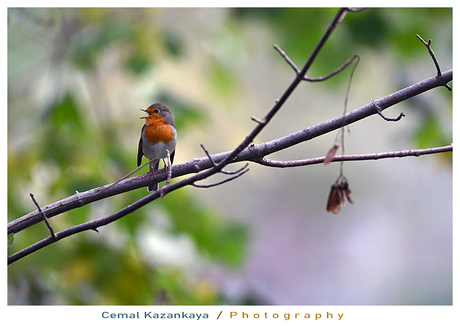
x,y
168,178
165,164
169,165
153,171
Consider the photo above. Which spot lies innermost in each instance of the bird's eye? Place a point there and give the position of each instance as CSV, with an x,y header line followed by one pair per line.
x,y
156,111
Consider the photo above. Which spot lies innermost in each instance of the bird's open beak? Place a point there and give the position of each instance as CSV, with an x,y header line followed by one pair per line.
x,y
145,112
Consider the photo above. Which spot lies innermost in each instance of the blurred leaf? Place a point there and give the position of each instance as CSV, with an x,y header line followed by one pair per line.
x,y
173,44
223,79
430,133
65,112
404,24
88,44
215,237
63,132
368,28
180,290
138,62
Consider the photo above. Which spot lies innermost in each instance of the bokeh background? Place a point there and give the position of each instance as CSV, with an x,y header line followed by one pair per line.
x,y
76,81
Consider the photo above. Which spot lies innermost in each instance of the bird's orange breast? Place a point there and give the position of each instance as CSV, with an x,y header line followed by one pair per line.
x,y
159,132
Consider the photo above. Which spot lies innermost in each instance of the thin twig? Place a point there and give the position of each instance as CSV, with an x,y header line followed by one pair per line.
x,y
379,111
357,157
286,57
126,176
223,181
235,172
258,120
313,79
208,155
430,51
335,72
433,56
345,108
44,216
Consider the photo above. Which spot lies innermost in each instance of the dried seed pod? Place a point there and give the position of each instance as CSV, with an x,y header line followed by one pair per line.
x,y
337,195
330,154
335,198
346,191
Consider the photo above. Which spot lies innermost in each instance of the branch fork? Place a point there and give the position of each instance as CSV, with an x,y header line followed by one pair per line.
x,y
234,174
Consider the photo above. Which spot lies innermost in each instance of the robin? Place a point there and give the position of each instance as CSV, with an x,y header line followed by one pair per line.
x,y
158,135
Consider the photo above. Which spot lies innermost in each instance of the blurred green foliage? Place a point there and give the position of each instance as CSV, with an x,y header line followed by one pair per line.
x,y
58,146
